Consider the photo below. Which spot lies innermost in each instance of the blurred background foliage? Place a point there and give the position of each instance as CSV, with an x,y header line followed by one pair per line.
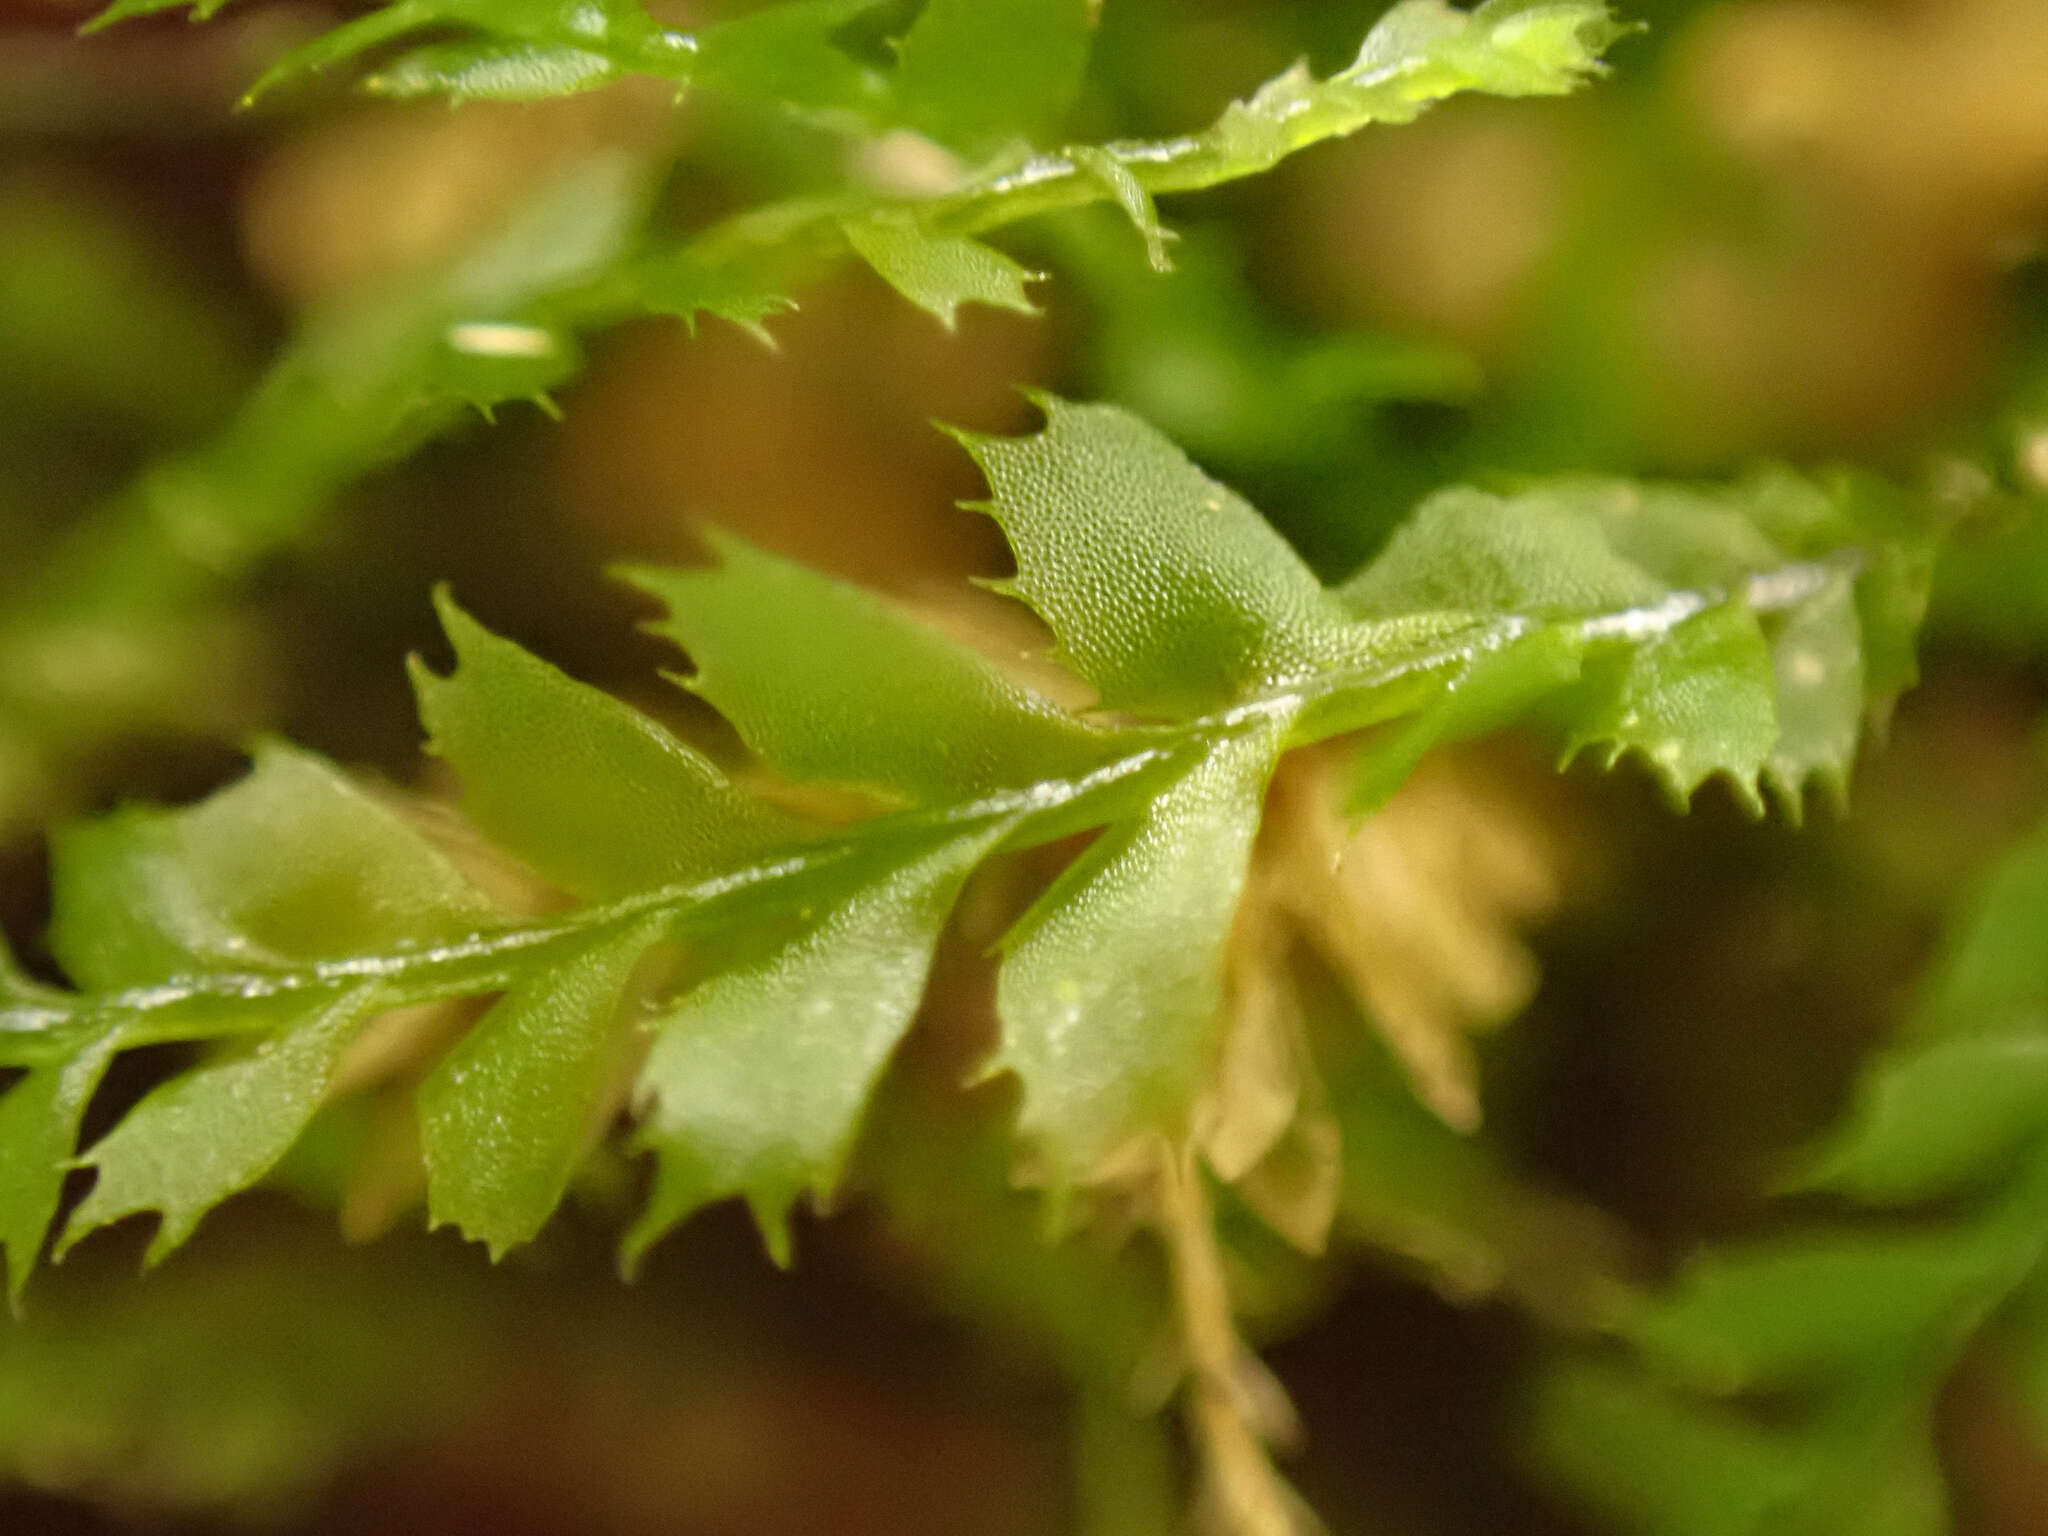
x,y
1785,229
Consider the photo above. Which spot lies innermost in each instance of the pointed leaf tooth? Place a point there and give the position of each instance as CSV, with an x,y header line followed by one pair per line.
x,y
842,687
756,1082
593,794
215,1130
939,273
1696,701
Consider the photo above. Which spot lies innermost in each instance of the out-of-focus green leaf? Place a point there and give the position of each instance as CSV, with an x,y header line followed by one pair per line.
x,y
977,74
1697,701
588,790
492,71
843,688
1932,1121
1652,1464
1201,355
788,53
939,273
96,316
1809,1309
1993,977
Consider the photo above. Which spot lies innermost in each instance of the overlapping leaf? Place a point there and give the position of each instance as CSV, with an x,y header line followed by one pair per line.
x,y
737,977
1859,1325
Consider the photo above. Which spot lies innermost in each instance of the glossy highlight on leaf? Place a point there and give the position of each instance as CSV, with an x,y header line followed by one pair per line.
x,y
769,962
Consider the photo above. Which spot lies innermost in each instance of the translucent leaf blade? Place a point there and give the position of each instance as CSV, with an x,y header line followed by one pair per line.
x,y
592,793
1166,591
1696,701
294,862
1464,551
492,71
507,1114
844,688
217,1129
756,1083
939,273
1110,994
975,74
39,1123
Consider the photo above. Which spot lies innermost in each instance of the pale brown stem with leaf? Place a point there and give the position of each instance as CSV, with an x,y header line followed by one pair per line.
x,y
1232,1407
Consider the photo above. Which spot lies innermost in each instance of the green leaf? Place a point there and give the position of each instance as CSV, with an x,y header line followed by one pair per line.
x,y
39,1121
1939,1119
1808,1309
1541,556
1697,700
673,282
527,45
1817,658
1652,1464
755,1084
844,688
295,862
977,74
593,794
1129,194
1165,590
939,273
506,1116
216,1130
1701,539
1494,686
1993,975
788,54
479,70
1110,994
